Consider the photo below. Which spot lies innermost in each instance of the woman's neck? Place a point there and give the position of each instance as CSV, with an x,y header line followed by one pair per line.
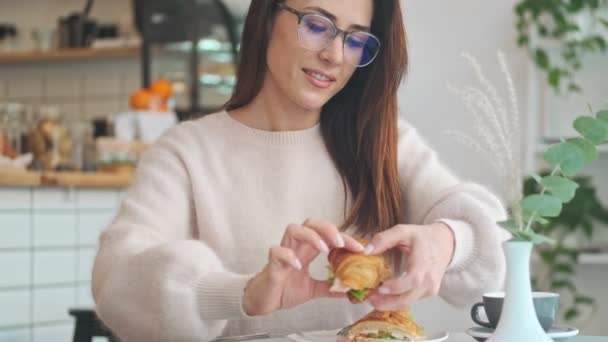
x,y
271,110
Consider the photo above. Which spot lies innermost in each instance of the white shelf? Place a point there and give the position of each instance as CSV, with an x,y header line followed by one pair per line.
x,y
593,258
542,147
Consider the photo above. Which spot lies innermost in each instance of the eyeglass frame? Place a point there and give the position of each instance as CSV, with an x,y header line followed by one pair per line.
x,y
300,15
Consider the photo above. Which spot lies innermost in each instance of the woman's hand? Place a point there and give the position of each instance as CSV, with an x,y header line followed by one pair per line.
x,y
429,249
285,282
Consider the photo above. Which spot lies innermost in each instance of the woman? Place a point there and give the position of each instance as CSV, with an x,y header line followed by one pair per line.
x,y
224,230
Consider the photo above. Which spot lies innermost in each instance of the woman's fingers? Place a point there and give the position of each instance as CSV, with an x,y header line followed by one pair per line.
x,y
280,258
405,283
401,236
321,290
332,235
301,234
352,244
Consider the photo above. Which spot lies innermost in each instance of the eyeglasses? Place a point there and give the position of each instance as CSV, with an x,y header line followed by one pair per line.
x,y
316,32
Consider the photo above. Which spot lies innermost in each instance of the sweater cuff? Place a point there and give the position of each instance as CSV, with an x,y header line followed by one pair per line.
x,y
463,243
220,295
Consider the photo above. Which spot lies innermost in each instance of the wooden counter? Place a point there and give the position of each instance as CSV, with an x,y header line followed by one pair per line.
x,y
65,179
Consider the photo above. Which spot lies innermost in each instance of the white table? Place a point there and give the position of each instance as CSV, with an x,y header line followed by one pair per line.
x,y
462,337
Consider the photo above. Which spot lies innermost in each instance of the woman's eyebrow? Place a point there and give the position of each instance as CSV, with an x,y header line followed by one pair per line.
x,y
334,18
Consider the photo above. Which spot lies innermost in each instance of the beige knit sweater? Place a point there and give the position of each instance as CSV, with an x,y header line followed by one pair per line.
x,y
212,195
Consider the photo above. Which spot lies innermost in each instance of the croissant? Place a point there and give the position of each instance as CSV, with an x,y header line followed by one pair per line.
x,y
386,325
356,273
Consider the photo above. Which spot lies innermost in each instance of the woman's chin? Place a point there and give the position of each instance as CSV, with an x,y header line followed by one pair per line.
x,y
314,102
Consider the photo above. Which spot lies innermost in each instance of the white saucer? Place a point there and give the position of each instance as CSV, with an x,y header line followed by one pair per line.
x,y
330,336
558,333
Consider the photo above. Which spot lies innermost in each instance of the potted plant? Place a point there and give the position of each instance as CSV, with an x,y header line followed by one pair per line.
x,y
574,225
559,35
498,138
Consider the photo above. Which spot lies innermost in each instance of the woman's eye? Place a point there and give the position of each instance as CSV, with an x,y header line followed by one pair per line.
x,y
355,43
314,27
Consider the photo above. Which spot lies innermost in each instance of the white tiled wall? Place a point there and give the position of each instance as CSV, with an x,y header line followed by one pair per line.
x,y
48,241
80,89
15,306
15,268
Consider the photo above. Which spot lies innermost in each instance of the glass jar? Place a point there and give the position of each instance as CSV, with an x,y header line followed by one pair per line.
x,y
13,130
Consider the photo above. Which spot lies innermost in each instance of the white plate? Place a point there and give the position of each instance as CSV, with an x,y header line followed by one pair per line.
x,y
330,336
556,332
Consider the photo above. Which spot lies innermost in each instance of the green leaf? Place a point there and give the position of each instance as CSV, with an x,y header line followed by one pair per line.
x,y
585,300
593,129
600,42
358,294
603,21
560,187
542,59
571,314
547,255
509,225
535,238
587,228
536,177
563,284
523,40
602,115
543,205
569,157
564,268
554,77
588,148
536,218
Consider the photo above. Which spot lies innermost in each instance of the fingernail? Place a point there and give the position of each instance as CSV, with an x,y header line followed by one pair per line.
x,y
323,246
359,247
369,249
340,240
297,264
384,290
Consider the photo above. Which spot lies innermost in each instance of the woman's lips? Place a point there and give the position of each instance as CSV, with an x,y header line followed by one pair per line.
x,y
318,78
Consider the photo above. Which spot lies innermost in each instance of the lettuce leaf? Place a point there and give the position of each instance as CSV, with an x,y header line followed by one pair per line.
x,y
359,294
383,335
330,276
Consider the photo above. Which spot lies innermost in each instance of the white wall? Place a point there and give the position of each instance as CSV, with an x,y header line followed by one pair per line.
x,y
439,31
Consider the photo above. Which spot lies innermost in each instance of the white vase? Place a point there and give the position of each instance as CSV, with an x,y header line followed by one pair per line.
x,y
518,321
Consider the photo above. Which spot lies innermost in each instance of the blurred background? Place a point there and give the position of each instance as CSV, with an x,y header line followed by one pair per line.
x,y
85,86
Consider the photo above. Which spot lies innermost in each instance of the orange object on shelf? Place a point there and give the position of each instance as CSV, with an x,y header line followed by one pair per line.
x,y
163,88
144,99
141,99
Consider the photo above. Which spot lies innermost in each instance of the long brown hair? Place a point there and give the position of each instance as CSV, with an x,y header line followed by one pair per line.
x,y
359,124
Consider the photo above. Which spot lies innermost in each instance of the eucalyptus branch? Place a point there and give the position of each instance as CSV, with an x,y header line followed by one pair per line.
x,y
542,192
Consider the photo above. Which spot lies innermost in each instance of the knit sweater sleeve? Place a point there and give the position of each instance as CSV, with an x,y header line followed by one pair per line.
x,y
431,193
152,279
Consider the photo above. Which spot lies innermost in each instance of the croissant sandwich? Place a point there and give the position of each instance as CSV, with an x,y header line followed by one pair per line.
x,y
380,326
356,273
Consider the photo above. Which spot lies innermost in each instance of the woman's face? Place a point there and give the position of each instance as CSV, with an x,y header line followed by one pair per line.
x,y
306,77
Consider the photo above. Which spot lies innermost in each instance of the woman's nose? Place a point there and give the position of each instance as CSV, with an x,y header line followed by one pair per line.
x,y
334,52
